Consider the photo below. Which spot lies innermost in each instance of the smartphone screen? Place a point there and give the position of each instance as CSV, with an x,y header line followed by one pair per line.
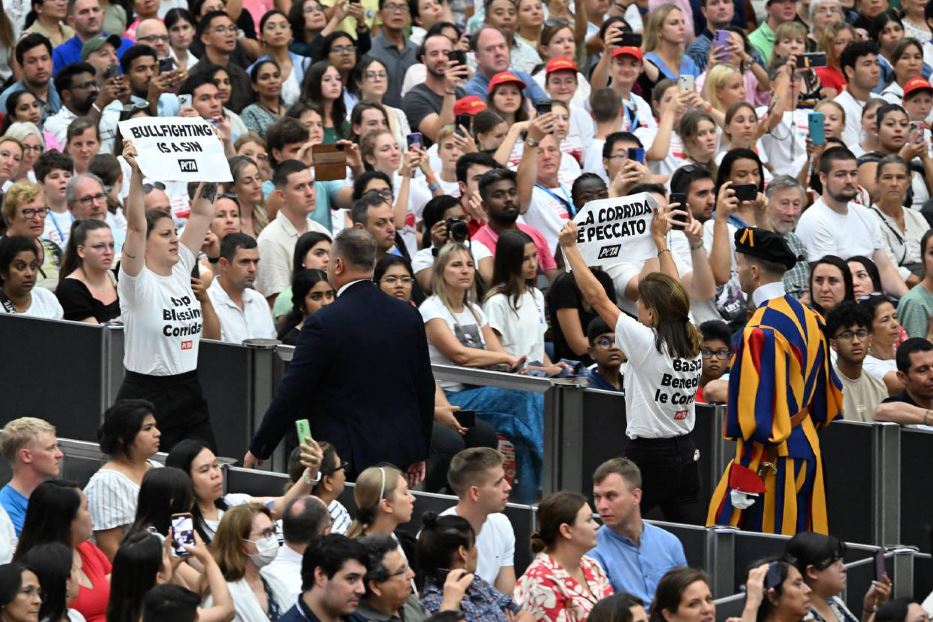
x,y
543,107
681,200
182,534
881,572
415,141
166,64
303,429
631,39
746,192
465,121
811,59
637,154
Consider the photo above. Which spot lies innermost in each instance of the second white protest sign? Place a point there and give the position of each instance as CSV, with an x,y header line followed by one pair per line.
x,y
610,231
177,149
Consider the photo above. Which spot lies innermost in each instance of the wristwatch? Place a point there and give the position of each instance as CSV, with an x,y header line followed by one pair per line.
x,y
531,142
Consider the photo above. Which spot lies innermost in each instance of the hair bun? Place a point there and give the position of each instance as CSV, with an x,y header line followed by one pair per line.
x,y
429,519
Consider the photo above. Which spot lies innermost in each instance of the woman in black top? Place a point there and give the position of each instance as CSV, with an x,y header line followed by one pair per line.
x,y
87,289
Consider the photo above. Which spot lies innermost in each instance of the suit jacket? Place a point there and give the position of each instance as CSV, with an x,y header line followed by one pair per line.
x,y
362,376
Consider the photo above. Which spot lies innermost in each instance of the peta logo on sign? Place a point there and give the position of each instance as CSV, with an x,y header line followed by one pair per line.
x,y
188,166
608,252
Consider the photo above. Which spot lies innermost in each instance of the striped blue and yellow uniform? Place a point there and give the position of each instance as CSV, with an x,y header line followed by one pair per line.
x,y
782,389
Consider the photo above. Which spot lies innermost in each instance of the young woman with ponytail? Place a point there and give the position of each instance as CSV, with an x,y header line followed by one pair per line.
x,y
87,288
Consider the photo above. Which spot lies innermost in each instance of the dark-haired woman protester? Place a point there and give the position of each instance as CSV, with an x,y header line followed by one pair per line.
x,y
662,343
310,291
819,558
683,595
87,289
562,584
20,594
55,567
155,283
19,269
447,554
130,437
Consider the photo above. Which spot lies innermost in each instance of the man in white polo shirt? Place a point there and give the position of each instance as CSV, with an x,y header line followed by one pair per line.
x,y
243,312
477,477
834,225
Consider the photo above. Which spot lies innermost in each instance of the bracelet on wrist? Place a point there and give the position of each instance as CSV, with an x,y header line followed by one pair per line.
x,y
310,481
434,187
664,250
697,246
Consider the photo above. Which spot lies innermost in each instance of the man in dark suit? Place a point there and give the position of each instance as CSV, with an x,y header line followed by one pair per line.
x,y
361,373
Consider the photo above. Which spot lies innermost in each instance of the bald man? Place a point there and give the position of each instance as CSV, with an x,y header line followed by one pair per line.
x,y
152,32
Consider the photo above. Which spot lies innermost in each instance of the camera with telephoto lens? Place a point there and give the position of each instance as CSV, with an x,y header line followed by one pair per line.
x,y
457,230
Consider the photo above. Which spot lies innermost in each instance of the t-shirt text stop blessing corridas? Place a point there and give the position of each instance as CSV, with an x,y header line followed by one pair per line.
x,y
162,318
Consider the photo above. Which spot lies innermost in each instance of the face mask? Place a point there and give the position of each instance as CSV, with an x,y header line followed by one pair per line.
x,y
267,548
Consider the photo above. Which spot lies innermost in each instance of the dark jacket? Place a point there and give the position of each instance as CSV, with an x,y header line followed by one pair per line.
x,y
362,376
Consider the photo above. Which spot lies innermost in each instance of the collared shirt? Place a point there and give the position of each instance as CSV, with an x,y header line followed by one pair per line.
x,y
636,569
276,247
797,279
397,63
596,381
768,291
286,568
300,612
253,321
15,505
412,611
762,39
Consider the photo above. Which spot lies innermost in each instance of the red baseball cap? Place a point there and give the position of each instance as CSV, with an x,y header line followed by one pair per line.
x,y
916,84
628,50
471,104
560,64
504,77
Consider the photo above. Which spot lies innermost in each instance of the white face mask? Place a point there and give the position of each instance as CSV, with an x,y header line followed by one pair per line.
x,y
267,548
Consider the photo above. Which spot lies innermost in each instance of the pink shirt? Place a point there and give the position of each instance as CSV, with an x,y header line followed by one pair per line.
x,y
487,237
258,8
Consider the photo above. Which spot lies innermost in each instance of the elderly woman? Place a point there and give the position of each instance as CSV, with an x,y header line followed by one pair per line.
x,y
24,211
33,142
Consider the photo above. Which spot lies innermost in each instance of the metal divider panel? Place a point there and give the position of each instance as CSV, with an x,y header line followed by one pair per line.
x,y
255,483
604,425
751,548
693,539
730,607
916,487
847,471
923,576
224,372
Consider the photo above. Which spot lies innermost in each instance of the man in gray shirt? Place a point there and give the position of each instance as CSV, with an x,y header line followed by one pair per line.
x,y
393,48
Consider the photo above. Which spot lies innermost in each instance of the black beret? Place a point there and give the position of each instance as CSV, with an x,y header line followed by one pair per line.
x,y
764,244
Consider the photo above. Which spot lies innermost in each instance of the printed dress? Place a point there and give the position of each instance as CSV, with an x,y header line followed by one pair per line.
x,y
552,595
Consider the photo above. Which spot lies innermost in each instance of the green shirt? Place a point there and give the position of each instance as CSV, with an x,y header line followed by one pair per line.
x,y
762,39
914,311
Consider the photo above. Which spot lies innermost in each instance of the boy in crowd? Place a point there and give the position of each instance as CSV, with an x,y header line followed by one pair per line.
x,y
849,328
609,358
918,99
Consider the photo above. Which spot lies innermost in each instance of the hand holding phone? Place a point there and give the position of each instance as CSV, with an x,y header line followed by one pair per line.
x,y
680,199
415,141
182,534
881,571
303,430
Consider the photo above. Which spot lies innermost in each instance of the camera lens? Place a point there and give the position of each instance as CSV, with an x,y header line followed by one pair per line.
x,y
457,230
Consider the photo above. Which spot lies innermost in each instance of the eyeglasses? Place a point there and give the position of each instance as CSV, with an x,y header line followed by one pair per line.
x,y
34,148
32,212
715,354
400,572
395,8
605,342
846,335
340,467
319,296
92,198
154,38
375,75
394,280
343,49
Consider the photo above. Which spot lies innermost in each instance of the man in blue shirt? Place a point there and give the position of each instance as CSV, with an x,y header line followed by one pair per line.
x,y
609,358
332,572
492,56
33,54
634,554
87,18
30,446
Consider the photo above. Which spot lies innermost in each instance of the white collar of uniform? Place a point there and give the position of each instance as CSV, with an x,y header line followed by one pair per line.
x,y
767,292
344,288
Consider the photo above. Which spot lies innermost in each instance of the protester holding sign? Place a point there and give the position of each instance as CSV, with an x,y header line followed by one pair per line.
x,y
163,318
664,369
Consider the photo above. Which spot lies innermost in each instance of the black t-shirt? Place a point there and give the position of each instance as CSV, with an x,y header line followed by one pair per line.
x,y
78,304
564,294
902,397
421,101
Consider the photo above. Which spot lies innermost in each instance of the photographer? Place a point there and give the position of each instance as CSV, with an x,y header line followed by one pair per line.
x,y
445,220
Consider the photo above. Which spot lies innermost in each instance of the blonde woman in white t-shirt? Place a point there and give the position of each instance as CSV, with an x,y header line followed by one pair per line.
x,y
165,309
663,373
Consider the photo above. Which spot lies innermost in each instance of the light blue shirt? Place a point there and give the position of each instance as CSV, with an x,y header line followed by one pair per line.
x,y
15,505
633,569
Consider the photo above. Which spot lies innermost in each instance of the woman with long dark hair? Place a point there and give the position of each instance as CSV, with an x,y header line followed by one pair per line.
x,y
20,593
324,86
181,30
275,33
885,337
866,280
310,291
265,77
163,492
907,64
87,288
661,344
55,567
312,252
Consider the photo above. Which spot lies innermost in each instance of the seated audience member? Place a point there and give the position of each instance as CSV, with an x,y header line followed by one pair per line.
x,y
170,603
788,600
332,572
394,276
901,227
566,531
634,553
848,327
477,477
245,543
87,289
439,220
786,200
310,291
830,284
24,212
388,581
20,593
885,337
312,252
620,607
916,308
20,269
447,555
687,588
331,486
30,446
607,355
865,278
162,494
54,566
716,352
570,315
915,371
210,503
820,559
901,610
383,503
145,560
58,512
243,312
304,520
130,437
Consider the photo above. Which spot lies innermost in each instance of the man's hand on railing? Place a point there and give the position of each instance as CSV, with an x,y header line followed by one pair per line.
x,y
416,473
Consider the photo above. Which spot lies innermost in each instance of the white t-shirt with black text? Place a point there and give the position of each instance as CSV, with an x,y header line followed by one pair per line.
x,y
162,319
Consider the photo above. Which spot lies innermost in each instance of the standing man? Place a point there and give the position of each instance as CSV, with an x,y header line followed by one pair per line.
x,y
394,48
786,198
365,386
30,446
859,63
243,312
782,389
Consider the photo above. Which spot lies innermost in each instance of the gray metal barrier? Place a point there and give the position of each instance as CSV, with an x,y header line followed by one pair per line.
x,y
916,465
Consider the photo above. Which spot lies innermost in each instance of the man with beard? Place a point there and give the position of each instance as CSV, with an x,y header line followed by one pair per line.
x,y
429,106
78,89
697,183
786,198
33,54
782,389
498,189
834,225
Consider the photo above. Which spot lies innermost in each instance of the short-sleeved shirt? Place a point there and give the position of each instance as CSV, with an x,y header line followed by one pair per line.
x,y
901,398
111,498
861,396
548,211
162,319
276,248
78,303
521,325
495,544
825,231
339,517
914,311
253,321
564,294
637,569
466,326
92,602
420,102
15,505
553,595
44,305
487,237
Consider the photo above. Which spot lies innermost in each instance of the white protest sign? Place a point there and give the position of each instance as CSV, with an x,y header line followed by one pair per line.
x,y
177,149
610,231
